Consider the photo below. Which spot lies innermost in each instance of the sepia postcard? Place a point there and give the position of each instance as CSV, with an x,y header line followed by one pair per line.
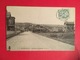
x,y
40,28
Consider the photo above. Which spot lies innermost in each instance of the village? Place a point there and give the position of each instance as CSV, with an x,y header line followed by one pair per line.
x,y
55,32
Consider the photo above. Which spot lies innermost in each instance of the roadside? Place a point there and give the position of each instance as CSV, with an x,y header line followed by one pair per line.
x,y
10,34
28,41
63,37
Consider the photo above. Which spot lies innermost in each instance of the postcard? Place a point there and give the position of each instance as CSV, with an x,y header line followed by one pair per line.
x,y
40,28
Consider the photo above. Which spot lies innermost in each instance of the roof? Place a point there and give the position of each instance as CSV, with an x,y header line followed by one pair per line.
x,y
69,23
8,14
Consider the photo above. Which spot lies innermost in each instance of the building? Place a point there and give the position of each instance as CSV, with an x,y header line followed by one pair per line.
x,y
69,26
10,22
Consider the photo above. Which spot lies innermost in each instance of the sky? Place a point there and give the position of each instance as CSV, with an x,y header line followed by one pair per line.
x,y
39,15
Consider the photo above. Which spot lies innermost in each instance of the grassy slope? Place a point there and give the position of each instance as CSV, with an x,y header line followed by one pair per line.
x,y
63,37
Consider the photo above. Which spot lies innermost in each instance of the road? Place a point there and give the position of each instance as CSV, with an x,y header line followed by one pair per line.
x,y
28,41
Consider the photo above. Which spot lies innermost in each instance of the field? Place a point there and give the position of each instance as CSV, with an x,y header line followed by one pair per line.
x,y
67,37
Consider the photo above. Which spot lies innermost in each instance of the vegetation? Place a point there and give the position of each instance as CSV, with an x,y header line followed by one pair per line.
x,y
63,37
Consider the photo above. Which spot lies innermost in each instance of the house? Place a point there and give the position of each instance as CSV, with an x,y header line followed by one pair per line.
x,y
69,26
10,22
